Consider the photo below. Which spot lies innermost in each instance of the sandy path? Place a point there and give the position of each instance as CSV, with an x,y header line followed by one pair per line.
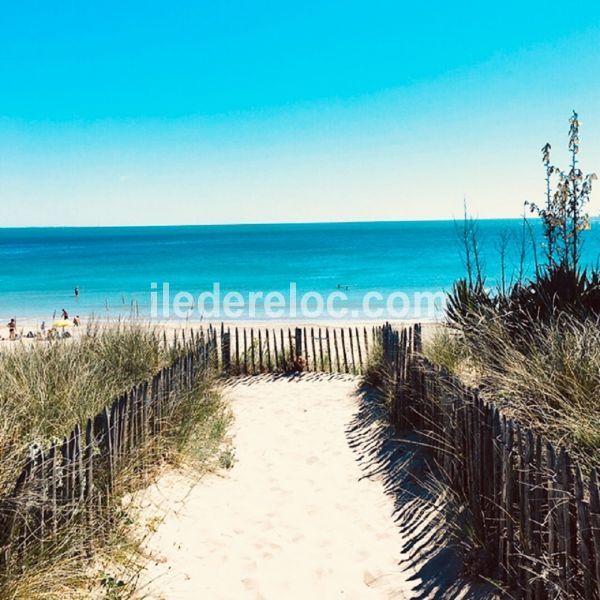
x,y
293,519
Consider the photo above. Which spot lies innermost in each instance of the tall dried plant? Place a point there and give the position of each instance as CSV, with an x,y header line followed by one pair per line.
x,y
564,215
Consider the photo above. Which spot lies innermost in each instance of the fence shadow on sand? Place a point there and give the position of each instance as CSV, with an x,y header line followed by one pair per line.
x,y
421,512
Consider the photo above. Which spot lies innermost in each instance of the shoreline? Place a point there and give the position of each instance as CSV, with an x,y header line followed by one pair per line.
x,y
30,324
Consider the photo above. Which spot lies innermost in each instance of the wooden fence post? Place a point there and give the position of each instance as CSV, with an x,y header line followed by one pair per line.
x,y
226,352
298,345
275,351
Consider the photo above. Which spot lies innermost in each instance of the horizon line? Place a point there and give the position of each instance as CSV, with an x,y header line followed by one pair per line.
x,y
274,223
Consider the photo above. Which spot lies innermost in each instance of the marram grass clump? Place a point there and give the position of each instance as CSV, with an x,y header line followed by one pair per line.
x,y
48,387
547,379
45,388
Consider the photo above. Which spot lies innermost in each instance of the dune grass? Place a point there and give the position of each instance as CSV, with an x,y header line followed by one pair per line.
x,y
547,378
45,388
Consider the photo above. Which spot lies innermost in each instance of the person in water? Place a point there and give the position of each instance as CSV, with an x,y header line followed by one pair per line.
x,y
76,292
65,314
12,329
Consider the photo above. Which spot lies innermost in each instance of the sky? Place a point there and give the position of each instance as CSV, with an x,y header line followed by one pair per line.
x,y
140,113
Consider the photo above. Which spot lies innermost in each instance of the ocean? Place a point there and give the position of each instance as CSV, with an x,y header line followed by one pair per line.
x,y
116,269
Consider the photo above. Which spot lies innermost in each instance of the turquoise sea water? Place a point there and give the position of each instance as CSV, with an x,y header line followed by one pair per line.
x,y
115,267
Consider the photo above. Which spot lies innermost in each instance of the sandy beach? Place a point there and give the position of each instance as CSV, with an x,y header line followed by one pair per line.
x,y
33,324
294,518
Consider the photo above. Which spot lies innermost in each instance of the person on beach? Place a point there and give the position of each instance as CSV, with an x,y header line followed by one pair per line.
x,y
76,321
65,315
12,329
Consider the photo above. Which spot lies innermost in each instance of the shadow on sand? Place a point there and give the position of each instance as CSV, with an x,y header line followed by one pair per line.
x,y
431,524
247,380
422,510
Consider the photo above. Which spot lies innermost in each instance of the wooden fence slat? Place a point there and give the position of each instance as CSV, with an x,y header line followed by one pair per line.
x,y
352,358
245,353
268,351
343,342
306,365
321,350
585,539
237,351
298,344
226,351
594,492
337,354
252,352
276,351
329,354
359,350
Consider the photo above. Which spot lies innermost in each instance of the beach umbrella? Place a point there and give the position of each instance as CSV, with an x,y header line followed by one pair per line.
x,y
62,323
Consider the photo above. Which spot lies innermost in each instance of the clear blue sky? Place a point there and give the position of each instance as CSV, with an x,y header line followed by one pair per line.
x,y
224,112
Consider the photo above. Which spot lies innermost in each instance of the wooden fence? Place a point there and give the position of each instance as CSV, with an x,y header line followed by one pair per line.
x,y
535,514
74,479
249,351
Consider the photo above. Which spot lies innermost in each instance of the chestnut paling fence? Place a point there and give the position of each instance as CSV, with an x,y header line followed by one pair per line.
x,y
249,351
535,514
74,479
